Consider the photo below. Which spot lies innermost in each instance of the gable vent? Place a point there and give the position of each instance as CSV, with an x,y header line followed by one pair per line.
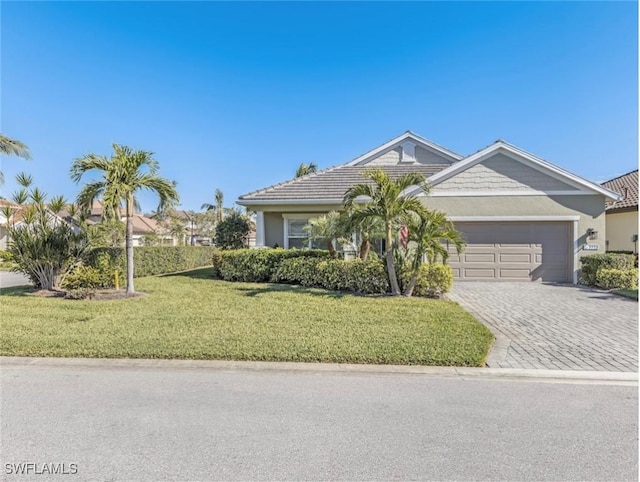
x,y
408,155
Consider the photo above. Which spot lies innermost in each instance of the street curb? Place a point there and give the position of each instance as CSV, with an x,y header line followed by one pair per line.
x,y
465,373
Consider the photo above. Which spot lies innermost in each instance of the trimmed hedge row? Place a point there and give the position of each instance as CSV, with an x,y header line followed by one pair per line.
x,y
257,265
151,260
593,263
609,278
367,277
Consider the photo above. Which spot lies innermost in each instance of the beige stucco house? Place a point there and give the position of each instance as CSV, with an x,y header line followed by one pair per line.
x,y
622,216
523,218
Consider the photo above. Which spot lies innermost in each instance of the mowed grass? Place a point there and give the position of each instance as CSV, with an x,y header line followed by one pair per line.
x,y
192,316
633,294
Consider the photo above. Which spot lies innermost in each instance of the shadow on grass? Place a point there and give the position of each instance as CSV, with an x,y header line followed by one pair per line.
x,y
198,273
16,291
282,288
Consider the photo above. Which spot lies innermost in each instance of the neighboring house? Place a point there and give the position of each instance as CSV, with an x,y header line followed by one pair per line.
x,y
523,218
142,226
622,215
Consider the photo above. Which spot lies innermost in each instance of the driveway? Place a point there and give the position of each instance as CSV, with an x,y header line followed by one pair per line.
x,y
8,279
554,326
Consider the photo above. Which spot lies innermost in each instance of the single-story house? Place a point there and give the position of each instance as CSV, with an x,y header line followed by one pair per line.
x,y
622,216
523,218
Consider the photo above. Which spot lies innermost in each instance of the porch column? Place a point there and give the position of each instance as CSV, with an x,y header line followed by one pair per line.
x,y
259,229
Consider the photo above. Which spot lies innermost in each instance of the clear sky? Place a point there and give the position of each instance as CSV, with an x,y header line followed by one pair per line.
x,y
236,95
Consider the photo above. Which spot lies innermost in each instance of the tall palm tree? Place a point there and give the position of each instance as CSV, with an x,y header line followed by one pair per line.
x,y
428,232
304,169
123,174
218,206
387,201
12,147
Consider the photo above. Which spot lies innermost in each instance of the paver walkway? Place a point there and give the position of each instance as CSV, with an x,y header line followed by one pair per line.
x,y
547,326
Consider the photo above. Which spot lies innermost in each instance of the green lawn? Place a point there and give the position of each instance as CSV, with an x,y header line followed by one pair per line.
x,y
192,316
633,294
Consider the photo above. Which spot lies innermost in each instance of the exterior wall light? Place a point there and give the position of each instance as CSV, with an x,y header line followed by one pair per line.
x,y
592,233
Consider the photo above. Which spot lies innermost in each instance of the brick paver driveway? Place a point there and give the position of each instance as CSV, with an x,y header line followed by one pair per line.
x,y
562,327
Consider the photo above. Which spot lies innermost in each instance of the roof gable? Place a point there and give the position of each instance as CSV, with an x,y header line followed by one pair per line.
x,y
428,152
536,176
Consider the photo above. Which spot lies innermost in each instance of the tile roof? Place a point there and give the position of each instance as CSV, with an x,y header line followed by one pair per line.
x,y
332,183
627,185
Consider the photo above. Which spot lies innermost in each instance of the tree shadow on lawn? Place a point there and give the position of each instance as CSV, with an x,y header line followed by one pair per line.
x,y
198,273
282,288
24,290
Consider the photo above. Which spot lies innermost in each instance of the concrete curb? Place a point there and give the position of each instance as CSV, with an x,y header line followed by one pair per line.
x,y
464,373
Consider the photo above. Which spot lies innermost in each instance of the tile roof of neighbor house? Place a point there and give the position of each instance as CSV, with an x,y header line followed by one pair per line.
x,y
627,185
332,183
143,225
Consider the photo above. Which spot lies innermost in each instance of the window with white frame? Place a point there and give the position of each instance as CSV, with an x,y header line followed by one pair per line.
x,y
296,235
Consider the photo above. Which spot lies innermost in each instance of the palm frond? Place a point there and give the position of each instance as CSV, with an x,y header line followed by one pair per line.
x,y
13,147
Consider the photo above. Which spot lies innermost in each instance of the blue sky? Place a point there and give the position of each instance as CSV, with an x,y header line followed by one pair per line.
x,y
236,95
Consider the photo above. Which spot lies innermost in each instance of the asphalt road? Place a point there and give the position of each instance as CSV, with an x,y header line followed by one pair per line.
x,y
176,424
8,279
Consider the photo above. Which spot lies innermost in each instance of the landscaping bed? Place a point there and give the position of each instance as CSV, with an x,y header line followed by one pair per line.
x,y
192,316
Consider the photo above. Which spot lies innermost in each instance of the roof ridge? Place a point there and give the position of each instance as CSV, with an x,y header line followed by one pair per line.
x,y
289,181
620,176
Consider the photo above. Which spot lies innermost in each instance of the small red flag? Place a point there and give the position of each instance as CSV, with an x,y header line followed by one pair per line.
x,y
404,236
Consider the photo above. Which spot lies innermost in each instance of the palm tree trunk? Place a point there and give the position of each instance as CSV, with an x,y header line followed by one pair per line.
x,y
332,250
365,247
408,291
129,246
393,279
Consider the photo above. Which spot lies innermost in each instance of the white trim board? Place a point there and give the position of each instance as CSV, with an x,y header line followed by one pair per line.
x,y
504,193
461,219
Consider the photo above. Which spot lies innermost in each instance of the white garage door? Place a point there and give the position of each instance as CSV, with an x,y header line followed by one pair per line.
x,y
514,251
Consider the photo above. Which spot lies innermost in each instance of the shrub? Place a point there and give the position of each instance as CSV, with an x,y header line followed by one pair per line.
x,y
258,265
366,277
80,294
45,249
434,279
5,256
150,260
591,264
611,278
232,232
82,277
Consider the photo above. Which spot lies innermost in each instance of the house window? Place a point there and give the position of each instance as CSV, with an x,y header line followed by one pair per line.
x,y
296,236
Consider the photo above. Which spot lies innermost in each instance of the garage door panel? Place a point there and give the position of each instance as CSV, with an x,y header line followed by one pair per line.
x,y
480,258
515,258
513,251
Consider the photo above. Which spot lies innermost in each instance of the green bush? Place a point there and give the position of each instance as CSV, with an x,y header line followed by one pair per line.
x,y
80,294
257,265
5,256
151,260
366,277
591,264
232,232
434,279
82,277
611,278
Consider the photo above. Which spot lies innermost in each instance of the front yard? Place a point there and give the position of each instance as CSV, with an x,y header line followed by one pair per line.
x,y
192,316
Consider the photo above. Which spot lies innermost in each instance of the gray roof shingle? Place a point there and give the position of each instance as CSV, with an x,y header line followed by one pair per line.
x,y
627,185
332,183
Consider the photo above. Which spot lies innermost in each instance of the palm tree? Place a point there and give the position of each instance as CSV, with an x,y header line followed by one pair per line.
x,y
123,174
217,207
428,232
326,228
304,169
366,229
12,147
387,201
